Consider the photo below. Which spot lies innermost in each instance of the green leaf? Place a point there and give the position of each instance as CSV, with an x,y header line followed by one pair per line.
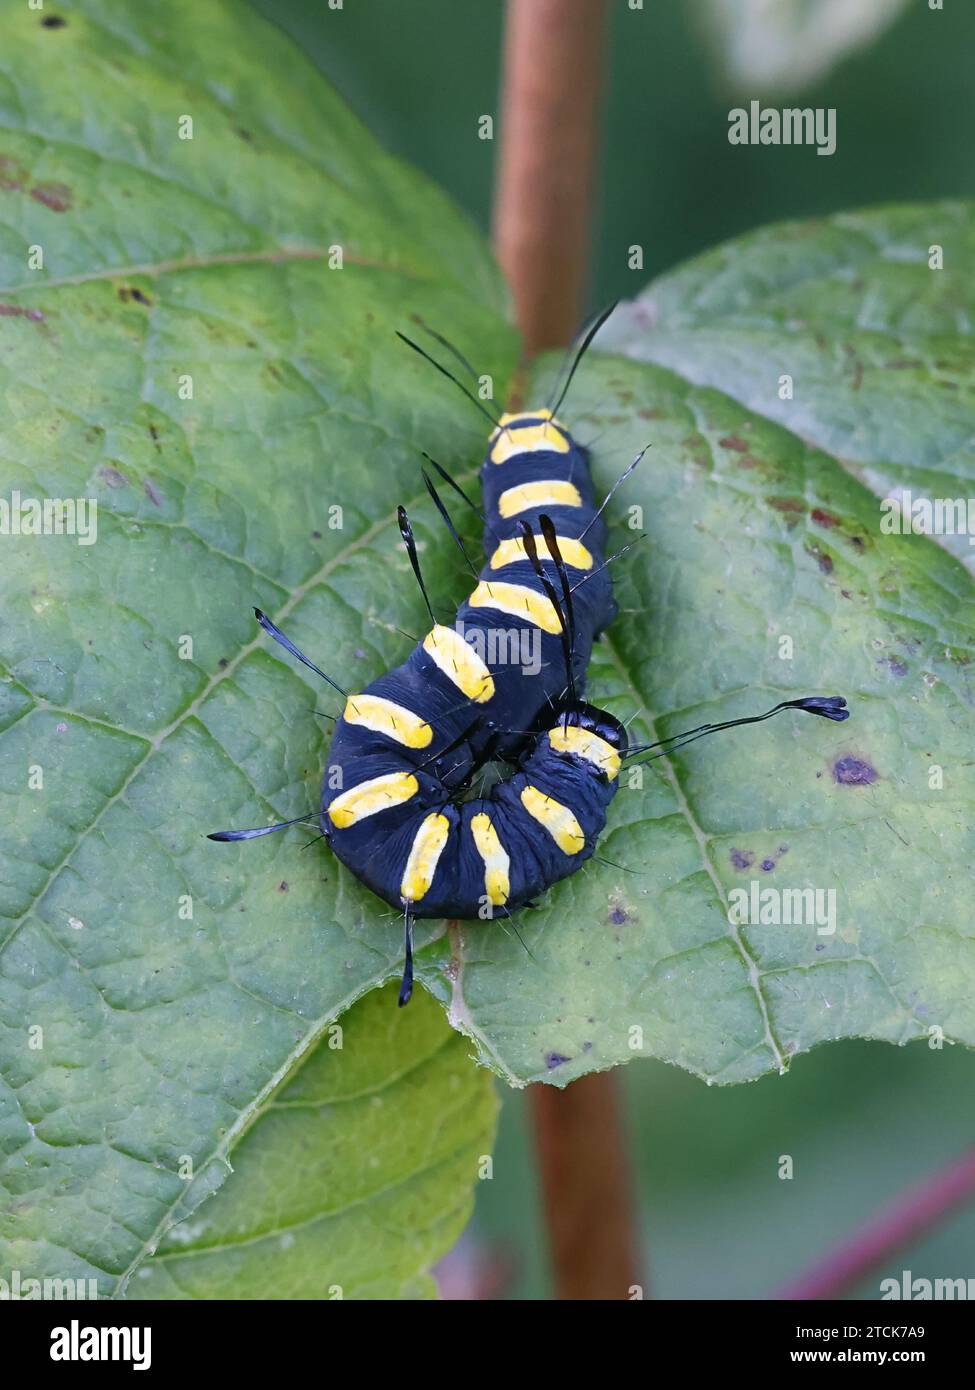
x,y
357,1175
158,992
755,534
879,344
156,989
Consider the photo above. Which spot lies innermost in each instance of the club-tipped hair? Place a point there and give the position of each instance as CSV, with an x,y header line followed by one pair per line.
x,y
230,835
826,706
406,531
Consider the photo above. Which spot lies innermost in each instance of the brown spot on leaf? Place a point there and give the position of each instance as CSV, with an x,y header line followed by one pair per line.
x,y
56,196
152,492
824,561
742,858
824,518
790,507
12,174
127,292
17,311
53,21
113,477
734,441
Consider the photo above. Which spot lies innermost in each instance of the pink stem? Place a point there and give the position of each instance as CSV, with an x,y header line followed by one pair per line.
x,y
909,1215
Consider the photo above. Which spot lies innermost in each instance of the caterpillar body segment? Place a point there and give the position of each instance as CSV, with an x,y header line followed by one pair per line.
x,y
500,851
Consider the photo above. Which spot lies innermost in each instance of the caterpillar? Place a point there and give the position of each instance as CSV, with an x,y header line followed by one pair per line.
x,y
395,805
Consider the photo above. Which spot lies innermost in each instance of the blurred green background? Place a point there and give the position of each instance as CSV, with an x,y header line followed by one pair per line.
x,y
860,1120
421,72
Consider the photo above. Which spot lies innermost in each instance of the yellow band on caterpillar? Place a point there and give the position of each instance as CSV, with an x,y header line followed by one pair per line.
x,y
497,884
529,439
573,552
421,864
368,798
519,418
519,601
585,744
557,819
460,663
386,717
550,492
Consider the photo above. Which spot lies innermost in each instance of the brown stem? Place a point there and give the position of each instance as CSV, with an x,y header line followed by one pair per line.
x,y
910,1214
542,207
552,63
586,1188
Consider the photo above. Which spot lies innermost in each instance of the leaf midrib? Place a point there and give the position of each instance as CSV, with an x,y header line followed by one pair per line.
x,y
270,255
701,839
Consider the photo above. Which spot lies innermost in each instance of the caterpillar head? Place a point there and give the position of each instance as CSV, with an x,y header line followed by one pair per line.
x,y
594,736
596,721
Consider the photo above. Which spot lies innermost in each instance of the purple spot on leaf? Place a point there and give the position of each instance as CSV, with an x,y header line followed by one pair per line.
x,y
853,772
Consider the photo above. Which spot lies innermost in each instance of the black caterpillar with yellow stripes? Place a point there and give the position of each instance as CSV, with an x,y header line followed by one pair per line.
x,y
414,736
405,749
